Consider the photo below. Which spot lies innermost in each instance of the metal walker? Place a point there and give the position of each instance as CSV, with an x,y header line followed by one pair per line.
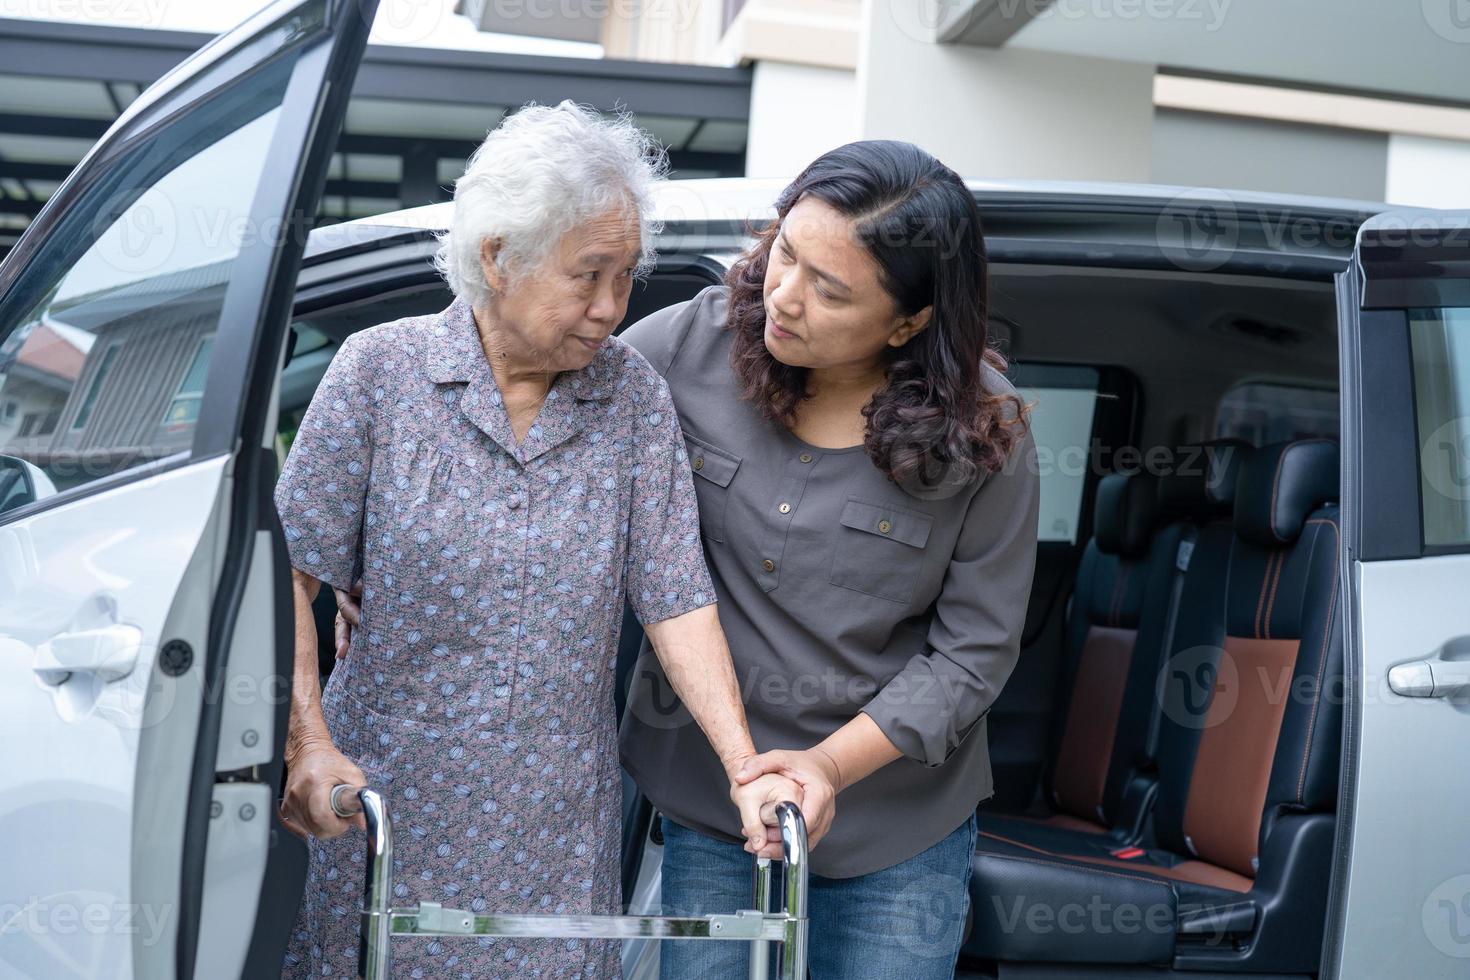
x,y
786,928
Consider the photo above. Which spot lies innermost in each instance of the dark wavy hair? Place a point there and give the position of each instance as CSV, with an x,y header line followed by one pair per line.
x,y
936,420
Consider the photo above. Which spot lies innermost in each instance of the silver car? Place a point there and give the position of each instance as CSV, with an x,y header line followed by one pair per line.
x,y
166,318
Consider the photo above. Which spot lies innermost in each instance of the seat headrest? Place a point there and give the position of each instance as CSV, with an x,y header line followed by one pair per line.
x,y
1280,485
1201,483
1123,514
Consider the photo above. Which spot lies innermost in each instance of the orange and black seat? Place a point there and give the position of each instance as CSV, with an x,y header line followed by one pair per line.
x,y
1234,874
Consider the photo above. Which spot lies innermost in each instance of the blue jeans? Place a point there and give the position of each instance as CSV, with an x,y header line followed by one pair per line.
x,y
902,923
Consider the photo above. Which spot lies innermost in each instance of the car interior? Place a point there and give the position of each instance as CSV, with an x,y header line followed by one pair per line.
x,y
1166,754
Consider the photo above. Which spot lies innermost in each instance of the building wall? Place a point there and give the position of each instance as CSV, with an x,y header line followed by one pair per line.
x,y
22,398
1005,113
1197,149
1428,173
797,113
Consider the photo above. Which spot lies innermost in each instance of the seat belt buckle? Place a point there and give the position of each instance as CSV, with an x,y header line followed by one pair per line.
x,y
1128,853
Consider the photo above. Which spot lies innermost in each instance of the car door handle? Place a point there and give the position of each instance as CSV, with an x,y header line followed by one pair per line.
x,y
1433,677
107,653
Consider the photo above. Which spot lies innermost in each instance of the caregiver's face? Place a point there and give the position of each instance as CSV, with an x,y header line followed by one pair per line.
x,y
825,305
556,316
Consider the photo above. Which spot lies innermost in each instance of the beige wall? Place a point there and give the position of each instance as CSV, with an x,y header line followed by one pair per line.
x,y
1428,173
797,113
1004,113
809,32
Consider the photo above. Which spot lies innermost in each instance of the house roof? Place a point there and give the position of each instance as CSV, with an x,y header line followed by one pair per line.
x,y
55,349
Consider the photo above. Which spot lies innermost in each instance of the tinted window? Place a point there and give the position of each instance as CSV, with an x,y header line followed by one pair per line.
x,y
1441,345
1062,400
105,348
1263,413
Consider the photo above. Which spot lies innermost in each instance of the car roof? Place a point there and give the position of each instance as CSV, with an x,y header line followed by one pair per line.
x,y
1089,214
744,198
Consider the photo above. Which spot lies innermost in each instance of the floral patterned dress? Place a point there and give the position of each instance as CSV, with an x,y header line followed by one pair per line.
x,y
478,693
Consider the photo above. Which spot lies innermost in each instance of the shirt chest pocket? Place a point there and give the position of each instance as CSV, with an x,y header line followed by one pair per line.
x,y
879,549
713,469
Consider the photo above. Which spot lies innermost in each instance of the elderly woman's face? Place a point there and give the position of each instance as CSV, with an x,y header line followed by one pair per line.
x,y
555,317
825,304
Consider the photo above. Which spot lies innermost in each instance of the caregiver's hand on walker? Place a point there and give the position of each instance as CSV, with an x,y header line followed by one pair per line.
x,y
755,796
853,752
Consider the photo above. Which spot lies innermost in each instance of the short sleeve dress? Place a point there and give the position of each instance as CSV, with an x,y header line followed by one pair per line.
x,y
478,694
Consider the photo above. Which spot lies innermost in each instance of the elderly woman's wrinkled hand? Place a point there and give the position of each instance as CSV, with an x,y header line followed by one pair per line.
x,y
756,800
314,767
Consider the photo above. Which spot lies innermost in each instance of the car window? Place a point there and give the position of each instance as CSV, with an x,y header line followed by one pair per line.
x,y
1063,400
320,333
1440,340
1262,413
104,360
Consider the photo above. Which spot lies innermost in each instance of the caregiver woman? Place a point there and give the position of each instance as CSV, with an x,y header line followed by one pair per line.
x,y
868,500
500,474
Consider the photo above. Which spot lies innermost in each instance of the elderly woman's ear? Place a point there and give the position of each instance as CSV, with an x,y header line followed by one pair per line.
x,y
490,249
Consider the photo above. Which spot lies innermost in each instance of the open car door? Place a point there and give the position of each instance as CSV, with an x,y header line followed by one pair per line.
x,y
1403,881
145,612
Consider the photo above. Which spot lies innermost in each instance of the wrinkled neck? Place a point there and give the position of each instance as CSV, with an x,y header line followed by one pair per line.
x,y
512,362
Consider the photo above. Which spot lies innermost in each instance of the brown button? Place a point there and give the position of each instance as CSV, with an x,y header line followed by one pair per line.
x,y
768,565
884,526
699,462
806,457
784,508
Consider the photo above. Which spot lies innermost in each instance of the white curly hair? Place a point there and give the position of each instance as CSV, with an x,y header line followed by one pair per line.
x,y
541,172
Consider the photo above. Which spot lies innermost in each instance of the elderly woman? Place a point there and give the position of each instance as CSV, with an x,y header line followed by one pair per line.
x,y
499,475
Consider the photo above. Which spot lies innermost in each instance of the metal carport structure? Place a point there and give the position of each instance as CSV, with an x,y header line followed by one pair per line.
x,y
416,113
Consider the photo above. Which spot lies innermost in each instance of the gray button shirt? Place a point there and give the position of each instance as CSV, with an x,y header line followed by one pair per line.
x,y
840,592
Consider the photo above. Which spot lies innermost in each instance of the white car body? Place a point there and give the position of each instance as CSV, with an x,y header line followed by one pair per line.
x,y
145,626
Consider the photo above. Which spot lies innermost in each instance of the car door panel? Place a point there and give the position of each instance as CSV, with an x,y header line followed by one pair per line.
x,y
145,604
72,792
1401,900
